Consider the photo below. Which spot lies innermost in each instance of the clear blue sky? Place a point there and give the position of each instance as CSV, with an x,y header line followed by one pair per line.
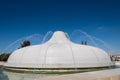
x,y
99,18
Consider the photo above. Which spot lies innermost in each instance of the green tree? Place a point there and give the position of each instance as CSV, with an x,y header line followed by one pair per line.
x,y
25,43
4,56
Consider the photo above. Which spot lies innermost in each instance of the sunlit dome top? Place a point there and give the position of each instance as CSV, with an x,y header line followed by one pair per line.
x,y
59,52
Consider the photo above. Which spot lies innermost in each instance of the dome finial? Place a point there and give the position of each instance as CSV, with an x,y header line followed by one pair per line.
x,y
59,36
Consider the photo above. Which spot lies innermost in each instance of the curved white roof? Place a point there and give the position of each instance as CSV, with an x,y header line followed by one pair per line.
x,y
59,52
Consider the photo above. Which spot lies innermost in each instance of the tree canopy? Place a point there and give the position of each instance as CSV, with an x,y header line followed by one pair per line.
x,y
25,43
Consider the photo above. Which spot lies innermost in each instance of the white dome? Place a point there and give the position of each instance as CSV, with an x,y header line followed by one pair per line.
x,y
59,52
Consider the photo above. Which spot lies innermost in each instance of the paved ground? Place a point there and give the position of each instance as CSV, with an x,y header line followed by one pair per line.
x,y
1,63
113,74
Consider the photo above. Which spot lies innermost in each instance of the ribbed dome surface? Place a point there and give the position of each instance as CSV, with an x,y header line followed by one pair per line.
x,y
59,52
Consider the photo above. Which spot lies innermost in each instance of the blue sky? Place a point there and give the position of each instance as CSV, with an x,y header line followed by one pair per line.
x,y
99,18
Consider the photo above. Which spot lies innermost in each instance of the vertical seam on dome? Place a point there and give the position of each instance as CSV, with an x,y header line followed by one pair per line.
x,y
22,55
39,55
47,52
107,54
95,54
74,62
44,64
